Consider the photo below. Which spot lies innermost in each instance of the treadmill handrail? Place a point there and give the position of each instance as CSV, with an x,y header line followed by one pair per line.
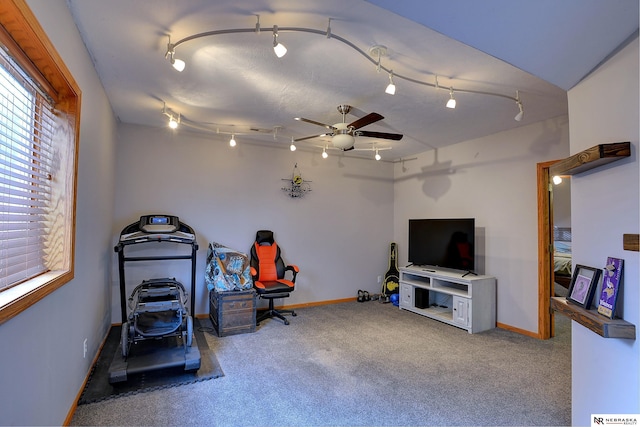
x,y
185,235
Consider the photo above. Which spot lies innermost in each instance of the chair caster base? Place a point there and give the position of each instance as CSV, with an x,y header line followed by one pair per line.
x,y
275,313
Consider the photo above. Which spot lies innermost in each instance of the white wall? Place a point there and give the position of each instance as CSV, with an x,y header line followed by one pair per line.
x,y
338,234
42,366
605,205
492,179
562,203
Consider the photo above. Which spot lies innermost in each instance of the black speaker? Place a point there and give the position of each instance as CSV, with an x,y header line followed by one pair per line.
x,y
421,298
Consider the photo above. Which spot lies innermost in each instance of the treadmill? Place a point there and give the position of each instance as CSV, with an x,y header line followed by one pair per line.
x,y
172,351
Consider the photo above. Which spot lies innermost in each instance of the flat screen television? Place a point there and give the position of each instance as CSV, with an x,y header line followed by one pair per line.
x,y
442,242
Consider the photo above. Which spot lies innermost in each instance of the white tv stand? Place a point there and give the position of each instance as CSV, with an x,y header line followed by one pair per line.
x,y
467,302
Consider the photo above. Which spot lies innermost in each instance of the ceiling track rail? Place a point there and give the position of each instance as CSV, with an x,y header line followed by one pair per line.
x,y
328,34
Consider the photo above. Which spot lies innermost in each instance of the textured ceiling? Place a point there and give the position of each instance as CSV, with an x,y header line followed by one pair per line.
x,y
234,84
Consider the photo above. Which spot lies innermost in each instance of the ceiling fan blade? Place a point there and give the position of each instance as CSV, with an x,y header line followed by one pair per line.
x,y
348,149
366,120
313,122
309,137
382,135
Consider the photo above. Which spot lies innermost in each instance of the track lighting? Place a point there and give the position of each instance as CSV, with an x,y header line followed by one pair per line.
x,y
324,153
292,147
374,55
451,103
391,88
377,156
379,51
178,64
520,114
232,141
375,51
173,122
278,48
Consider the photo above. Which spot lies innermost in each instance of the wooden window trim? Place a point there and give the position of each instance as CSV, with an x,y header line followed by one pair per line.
x,y
32,49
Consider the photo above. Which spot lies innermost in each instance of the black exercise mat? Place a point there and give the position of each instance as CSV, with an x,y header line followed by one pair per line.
x,y
98,387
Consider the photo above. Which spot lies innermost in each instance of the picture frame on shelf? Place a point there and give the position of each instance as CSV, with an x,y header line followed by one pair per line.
x,y
611,282
583,285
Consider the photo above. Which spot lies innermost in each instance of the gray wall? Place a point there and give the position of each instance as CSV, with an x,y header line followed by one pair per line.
x,y
42,366
338,234
491,179
605,204
562,203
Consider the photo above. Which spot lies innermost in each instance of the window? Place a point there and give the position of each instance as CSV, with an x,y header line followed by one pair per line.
x,y
39,104
26,162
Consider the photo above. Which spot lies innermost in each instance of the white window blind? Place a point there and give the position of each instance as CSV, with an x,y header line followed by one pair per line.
x,y
26,128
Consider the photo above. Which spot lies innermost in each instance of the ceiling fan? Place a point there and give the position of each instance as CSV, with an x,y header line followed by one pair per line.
x,y
343,134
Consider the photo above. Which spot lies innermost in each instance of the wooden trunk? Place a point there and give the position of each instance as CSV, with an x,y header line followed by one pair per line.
x,y
233,312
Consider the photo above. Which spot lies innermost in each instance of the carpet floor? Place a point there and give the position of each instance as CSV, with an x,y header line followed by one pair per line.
x,y
363,364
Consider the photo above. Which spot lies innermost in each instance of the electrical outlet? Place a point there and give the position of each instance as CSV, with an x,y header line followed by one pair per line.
x,y
379,279
84,348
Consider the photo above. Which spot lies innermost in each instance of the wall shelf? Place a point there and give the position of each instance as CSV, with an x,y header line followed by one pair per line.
x,y
591,158
631,242
603,326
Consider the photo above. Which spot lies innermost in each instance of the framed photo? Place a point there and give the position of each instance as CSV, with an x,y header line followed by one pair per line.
x,y
583,285
611,282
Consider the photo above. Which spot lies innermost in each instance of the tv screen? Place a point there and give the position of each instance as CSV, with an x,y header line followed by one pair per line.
x,y
442,242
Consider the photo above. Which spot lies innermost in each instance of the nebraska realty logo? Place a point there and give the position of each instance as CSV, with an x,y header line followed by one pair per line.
x,y
614,419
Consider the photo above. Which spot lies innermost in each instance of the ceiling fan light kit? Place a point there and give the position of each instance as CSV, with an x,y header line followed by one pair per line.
x,y
343,135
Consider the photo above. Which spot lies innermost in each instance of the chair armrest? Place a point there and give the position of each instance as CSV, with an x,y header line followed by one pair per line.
x,y
293,269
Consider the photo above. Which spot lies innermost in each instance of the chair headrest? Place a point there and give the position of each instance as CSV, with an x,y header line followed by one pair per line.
x,y
264,237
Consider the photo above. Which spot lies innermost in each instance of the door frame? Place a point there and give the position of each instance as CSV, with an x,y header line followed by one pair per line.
x,y
545,259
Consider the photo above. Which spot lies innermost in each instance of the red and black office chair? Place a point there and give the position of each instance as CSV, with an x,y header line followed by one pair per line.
x,y
268,272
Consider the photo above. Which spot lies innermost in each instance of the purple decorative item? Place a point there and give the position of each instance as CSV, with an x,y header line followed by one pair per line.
x,y
611,283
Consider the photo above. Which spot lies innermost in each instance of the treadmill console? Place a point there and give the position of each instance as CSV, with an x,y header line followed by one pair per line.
x,y
157,228
159,223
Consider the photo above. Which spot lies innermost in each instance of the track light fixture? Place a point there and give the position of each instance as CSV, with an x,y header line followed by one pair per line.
x,y
292,147
324,153
232,141
520,114
377,156
451,103
173,121
278,48
178,64
378,51
391,88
